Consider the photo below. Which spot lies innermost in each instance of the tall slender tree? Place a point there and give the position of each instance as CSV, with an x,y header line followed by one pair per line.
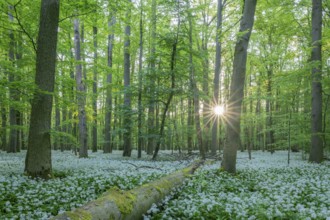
x,y
316,150
38,158
13,94
237,87
194,86
127,82
108,115
140,107
216,81
151,87
3,127
81,96
94,145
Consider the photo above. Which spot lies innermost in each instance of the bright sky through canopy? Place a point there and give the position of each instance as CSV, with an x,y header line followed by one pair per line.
x,y
219,110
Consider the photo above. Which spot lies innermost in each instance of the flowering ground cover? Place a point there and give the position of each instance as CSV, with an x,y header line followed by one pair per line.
x,y
265,187
78,181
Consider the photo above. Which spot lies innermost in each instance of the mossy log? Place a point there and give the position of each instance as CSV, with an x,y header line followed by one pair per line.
x,y
132,204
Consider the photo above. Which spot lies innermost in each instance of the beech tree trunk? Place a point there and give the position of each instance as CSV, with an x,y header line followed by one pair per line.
x,y
57,122
140,108
194,88
151,108
38,158
13,93
108,115
237,88
216,81
130,205
3,127
316,150
94,130
269,111
127,83
81,96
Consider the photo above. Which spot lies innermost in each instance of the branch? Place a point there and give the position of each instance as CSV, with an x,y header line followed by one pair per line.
x,y
76,15
21,26
10,29
139,167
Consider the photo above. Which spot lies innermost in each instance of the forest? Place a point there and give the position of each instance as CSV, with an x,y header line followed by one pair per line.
x,y
101,96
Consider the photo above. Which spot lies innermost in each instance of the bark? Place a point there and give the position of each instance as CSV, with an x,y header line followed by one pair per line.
x,y
190,122
206,104
20,113
195,89
260,145
151,109
64,129
38,157
127,83
81,94
169,99
237,88
316,150
108,116
132,204
94,140
57,122
216,81
13,94
140,108
72,126
269,106
3,128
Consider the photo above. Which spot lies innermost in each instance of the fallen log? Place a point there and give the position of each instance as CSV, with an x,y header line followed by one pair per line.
x,y
132,204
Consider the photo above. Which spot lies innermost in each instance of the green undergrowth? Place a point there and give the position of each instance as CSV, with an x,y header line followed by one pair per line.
x,y
272,193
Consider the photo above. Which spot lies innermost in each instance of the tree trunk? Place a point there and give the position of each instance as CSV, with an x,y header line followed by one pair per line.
x,y
237,88
108,105
169,99
140,108
13,93
57,122
3,127
127,84
260,145
190,122
72,126
216,81
316,150
151,109
194,88
64,129
132,204
38,157
269,111
81,94
94,144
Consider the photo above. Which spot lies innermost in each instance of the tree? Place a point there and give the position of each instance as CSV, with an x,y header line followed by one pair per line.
x,y
95,73
216,81
140,107
127,82
81,96
3,127
38,157
237,87
193,85
108,115
316,151
151,87
13,94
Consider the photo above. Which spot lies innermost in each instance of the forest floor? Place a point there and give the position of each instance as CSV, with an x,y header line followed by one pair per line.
x,y
266,187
